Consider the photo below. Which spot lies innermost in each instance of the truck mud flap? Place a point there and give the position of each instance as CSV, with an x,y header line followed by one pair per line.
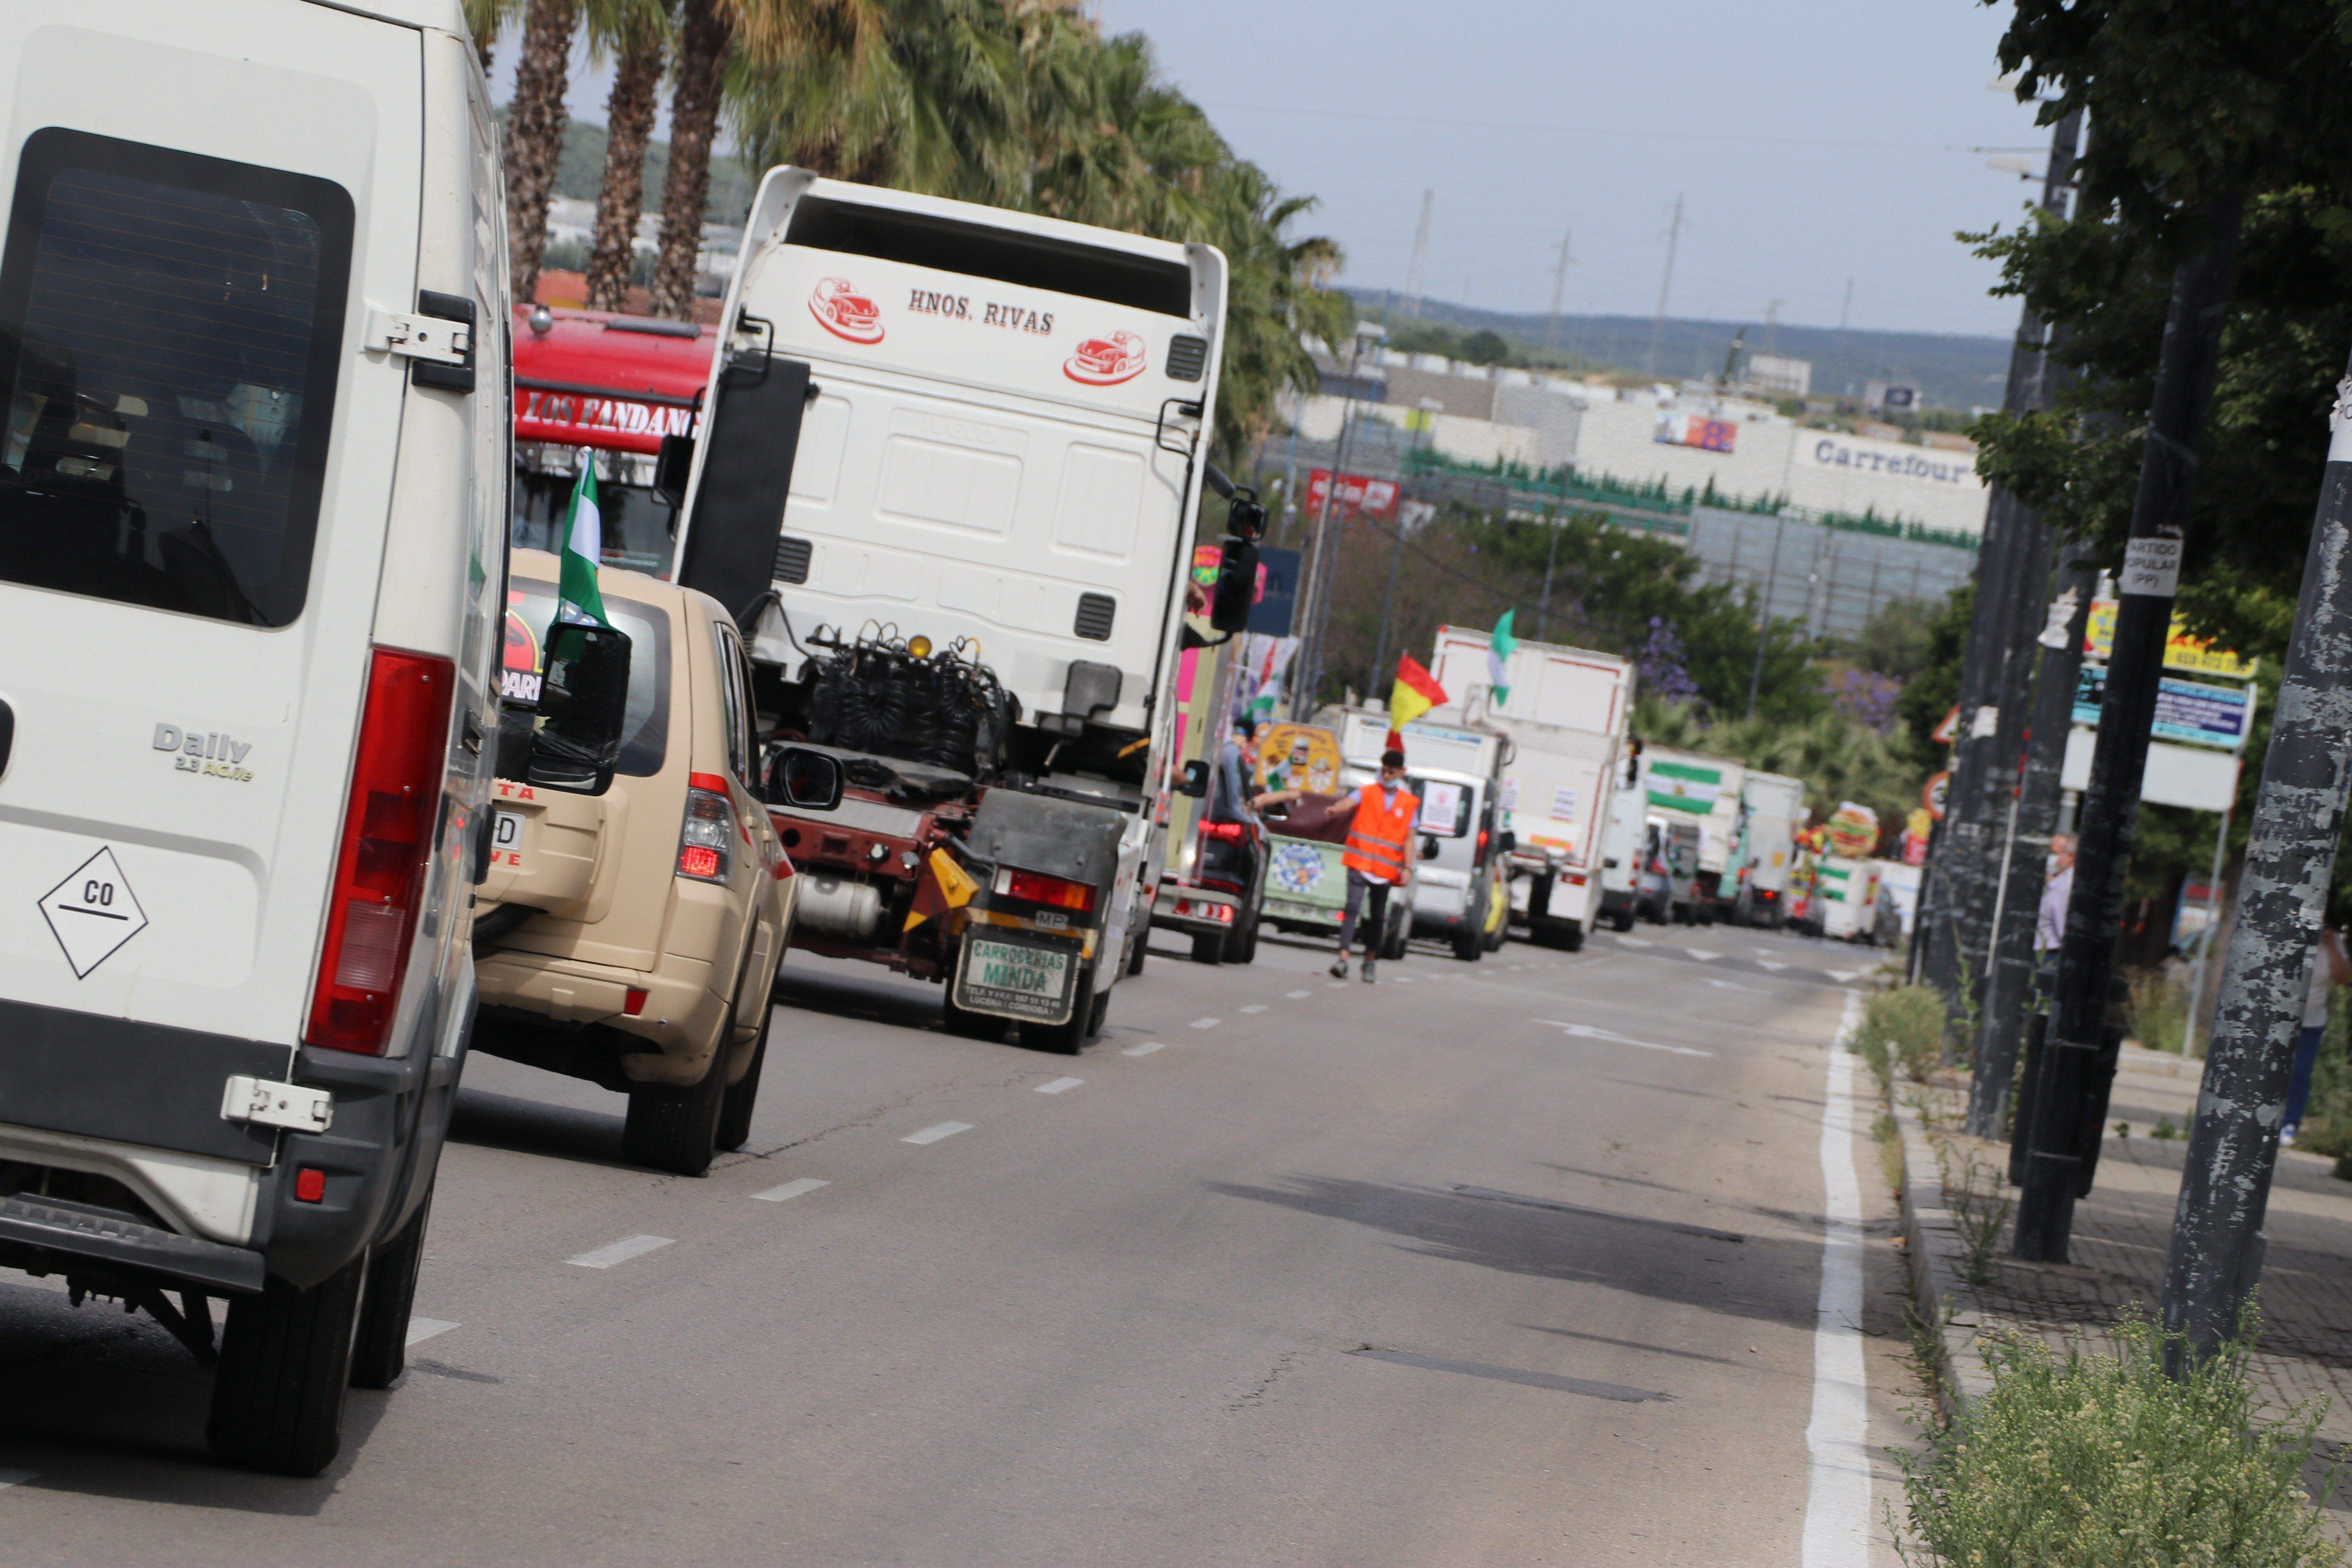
x,y
1038,833
1010,974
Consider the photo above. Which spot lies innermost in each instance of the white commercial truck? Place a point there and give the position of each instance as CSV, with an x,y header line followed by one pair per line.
x,y
1755,885
1565,710
252,566
946,479
1704,790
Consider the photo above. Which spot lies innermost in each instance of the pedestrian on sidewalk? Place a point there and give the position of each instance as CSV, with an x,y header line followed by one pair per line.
x,y
2329,968
2050,925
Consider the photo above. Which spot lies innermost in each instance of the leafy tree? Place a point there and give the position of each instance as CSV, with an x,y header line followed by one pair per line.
x,y
1930,695
1486,348
639,36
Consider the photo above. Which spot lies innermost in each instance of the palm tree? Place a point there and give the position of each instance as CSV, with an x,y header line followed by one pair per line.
x,y
709,32
535,134
640,34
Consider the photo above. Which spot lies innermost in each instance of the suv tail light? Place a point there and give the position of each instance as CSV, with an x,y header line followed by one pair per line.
x,y
706,841
388,830
1225,832
1040,889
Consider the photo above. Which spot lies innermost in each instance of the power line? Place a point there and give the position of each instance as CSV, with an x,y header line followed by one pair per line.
x,y
1658,322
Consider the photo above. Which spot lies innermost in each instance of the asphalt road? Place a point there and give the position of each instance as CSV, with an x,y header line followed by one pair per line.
x,y
1506,1263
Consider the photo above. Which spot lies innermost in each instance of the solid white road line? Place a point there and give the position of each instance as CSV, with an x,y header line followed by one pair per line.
x,y
423,1328
1590,1032
792,1189
1837,1503
1060,1086
15,1478
621,1251
1206,1023
1296,996
1841,975
1255,1007
934,1133
1145,1050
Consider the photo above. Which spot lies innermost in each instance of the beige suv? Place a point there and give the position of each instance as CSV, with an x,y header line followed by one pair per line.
x,y
631,939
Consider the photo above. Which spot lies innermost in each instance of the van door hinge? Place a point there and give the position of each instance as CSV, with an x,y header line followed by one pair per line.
x,y
419,337
287,1105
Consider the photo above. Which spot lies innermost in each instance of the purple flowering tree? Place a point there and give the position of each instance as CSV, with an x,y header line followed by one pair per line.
x,y
1663,665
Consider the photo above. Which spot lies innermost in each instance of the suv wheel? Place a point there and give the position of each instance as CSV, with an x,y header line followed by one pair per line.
x,y
735,1106
676,1129
380,1351
285,1362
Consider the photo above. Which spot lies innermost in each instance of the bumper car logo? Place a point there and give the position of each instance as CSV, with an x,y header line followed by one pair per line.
x,y
842,310
1296,869
1106,360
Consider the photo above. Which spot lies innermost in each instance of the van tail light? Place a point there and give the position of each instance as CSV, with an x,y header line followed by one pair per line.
x,y
706,841
1040,889
1224,832
388,832
1481,851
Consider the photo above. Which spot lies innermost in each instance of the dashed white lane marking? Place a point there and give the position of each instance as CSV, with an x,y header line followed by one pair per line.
x,y
1635,941
1837,1500
1702,954
1255,1007
1768,964
932,1134
15,1478
1590,1032
1206,1023
1145,1050
1843,975
1335,986
423,1328
1404,980
789,1190
621,1251
1735,985
1296,996
1060,1086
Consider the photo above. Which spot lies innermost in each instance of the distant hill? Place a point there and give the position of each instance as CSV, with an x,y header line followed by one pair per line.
x,y
1951,371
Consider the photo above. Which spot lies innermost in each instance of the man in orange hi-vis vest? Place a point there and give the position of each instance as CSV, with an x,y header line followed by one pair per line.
x,y
1379,846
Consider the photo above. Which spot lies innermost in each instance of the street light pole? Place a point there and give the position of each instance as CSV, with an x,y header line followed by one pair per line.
x,y
1429,409
1313,615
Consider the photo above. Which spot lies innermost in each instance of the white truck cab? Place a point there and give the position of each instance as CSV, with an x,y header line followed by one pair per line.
x,y
252,545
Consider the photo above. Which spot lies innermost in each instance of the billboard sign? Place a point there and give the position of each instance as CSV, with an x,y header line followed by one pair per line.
x,y
1695,430
2181,651
1359,493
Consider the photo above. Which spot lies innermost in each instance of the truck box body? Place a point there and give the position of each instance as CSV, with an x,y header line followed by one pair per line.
x,y
1764,848
996,466
1565,712
1704,790
1621,860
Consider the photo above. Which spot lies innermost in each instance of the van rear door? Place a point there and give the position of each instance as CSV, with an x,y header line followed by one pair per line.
x,y
194,475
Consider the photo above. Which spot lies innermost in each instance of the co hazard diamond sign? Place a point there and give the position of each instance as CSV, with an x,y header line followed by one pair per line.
x,y
92,913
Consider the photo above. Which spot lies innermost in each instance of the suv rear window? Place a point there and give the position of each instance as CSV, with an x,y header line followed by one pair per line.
x,y
644,724
170,329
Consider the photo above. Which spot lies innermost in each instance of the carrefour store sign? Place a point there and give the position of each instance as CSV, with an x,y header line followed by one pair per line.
x,y
1851,455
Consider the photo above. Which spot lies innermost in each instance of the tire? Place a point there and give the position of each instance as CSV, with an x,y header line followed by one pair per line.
x,y
677,1129
1097,1015
735,1106
970,1026
1468,947
1243,947
1400,935
1209,947
1571,939
1138,946
1625,920
1066,1038
285,1365
380,1349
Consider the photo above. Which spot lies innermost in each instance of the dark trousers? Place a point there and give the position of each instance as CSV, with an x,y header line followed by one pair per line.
x,y
1358,885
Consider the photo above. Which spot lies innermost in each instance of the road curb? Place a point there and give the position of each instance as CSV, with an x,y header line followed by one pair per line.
x,y
1931,1248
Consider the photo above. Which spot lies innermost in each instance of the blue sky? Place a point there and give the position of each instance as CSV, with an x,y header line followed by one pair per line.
x,y
1812,143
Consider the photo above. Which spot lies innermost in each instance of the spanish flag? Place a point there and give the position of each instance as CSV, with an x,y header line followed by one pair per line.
x,y
1415,693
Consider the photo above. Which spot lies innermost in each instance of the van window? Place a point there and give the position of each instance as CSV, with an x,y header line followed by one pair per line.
x,y
1445,807
983,250
738,726
170,330
645,723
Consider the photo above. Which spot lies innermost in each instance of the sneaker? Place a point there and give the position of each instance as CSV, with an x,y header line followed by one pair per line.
x,y
1368,972
2287,1138
1339,967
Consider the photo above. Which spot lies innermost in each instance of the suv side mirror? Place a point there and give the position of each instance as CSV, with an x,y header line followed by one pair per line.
x,y
672,466
1196,780
1510,841
804,780
584,698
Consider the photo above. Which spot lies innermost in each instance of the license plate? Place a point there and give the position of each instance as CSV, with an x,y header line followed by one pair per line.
x,y
1016,979
506,828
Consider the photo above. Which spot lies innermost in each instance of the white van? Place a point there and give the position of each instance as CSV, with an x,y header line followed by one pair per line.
x,y
252,549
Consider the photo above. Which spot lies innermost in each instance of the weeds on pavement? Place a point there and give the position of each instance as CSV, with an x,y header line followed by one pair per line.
x,y
1902,1030
1887,1133
1976,1195
1927,1357
2092,1461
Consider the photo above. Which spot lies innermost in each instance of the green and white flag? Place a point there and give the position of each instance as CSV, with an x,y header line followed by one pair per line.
x,y
576,595
1498,658
1685,786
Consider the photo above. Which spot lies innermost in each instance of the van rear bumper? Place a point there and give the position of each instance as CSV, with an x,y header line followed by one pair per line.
x,y
60,1234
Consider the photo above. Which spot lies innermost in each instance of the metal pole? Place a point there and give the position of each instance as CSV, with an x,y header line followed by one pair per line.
x,y
2212,927
2072,1063
2001,1024
1551,555
1764,613
2216,1256
1307,662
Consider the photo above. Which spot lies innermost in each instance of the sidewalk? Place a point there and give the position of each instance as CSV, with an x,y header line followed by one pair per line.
x,y
2121,1232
